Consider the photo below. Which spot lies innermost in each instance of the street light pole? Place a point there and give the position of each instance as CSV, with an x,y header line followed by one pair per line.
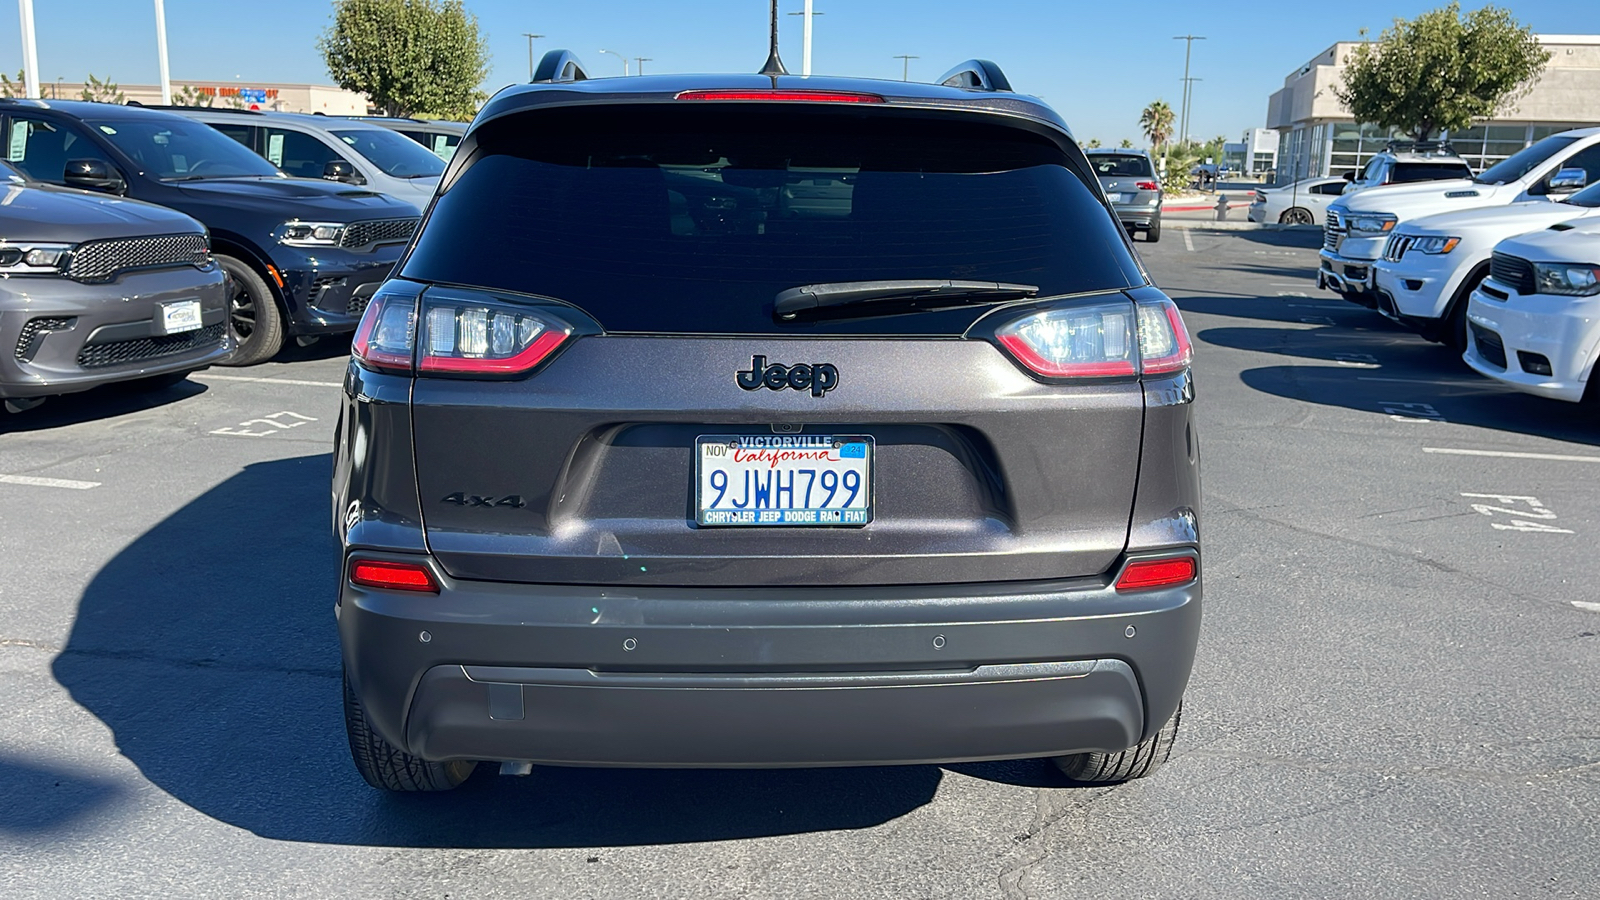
x,y
641,60
805,53
531,38
161,51
905,70
30,51
1183,131
624,59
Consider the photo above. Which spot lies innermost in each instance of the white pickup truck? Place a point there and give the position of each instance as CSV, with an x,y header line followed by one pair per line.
x,y
1359,224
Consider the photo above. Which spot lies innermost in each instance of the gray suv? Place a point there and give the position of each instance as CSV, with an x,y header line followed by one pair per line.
x,y
95,290
1129,180
722,420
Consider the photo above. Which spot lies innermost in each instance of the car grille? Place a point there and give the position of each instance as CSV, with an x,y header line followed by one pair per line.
x,y
1512,271
378,231
1333,230
1397,246
116,353
1490,347
34,331
104,260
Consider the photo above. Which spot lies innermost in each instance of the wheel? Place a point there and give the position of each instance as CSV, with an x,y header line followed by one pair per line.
x,y
387,767
254,319
1453,331
1137,761
1296,216
1153,233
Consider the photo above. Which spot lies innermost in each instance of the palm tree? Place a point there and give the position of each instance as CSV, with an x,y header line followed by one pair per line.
x,y
1156,121
1126,144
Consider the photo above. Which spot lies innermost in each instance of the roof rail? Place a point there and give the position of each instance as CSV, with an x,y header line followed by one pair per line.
x,y
226,109
977,74
1421,147
559,66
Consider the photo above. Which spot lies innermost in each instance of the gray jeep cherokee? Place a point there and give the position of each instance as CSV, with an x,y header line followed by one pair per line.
x,y
739,420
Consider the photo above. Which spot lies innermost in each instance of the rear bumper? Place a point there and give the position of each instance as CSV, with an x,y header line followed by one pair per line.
x,y
1140,216
767,676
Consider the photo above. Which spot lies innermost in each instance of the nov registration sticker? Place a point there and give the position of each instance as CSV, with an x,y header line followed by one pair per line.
x,y
783,480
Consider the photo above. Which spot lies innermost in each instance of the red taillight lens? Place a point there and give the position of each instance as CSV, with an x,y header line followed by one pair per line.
x,y
1148,186
1144,574
393,576
465,333
1163,340
387,334
783,96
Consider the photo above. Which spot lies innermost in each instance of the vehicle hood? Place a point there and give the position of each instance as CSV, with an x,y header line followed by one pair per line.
x,y
37,212
302,198
1578,244
1501,220
1408,201
426,186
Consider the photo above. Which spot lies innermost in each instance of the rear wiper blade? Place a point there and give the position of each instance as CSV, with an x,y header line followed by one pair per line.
x,y
796,300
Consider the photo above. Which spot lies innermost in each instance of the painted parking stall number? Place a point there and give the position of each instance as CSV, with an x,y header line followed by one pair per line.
x,y
1512,512
274,423
1410,412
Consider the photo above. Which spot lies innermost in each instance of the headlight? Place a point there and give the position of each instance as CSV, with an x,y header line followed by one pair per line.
x,y
1564,278
309,234
34,259
1375,223
1434,244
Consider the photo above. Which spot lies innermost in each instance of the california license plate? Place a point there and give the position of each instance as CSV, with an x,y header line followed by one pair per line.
x,y
178,316
783,479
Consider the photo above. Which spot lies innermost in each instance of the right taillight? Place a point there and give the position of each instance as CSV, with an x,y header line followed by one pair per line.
x,y
456,332
1101,340
1147,574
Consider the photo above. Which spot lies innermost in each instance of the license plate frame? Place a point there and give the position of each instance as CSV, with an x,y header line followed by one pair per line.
x,y
848,453
177,317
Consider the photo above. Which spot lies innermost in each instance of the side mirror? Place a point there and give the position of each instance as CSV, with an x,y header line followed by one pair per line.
x,y
1349,176
341,170
1568,180
93,175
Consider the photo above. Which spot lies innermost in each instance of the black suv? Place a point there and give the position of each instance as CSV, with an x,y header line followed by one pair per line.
x,y
303,255
724,420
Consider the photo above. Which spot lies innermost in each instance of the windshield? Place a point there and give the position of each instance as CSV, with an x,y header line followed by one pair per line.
x,y
1121,165
694,220
393,153
1524,161
172,149
1408,172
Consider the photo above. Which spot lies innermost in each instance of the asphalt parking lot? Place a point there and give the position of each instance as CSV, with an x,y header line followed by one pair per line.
x,y
1394,696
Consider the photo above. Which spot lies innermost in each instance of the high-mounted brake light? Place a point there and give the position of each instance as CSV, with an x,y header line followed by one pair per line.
x,y
783,96
393,576
1102,340
1144,574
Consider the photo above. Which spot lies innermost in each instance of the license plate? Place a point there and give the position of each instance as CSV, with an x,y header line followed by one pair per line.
x,y
178,316
1120,198
783,480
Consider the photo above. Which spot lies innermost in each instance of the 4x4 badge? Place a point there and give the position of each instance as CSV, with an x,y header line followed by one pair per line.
x,y
819,377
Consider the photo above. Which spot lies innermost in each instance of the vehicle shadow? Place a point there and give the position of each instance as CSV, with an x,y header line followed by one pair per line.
x,y
1303,310
208,647
41,804
106,402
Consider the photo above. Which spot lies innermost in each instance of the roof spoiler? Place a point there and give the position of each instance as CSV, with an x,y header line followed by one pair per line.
x,y
976,74
559,66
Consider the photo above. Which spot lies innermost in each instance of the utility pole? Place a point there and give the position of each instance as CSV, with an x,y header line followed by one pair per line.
x,y
30,51
531,38
161,51
1188,97
905,70
622,57
805,53
1183,129
641,60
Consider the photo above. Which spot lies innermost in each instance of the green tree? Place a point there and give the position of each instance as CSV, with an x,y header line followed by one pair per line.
x,y
9,88
1094,143
189,95
1442,70
410,57
1156,121
1126,144
97,91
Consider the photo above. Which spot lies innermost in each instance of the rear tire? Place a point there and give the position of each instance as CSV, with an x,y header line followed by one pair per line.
x,y
1296,216
1153,233
1137,761
387,767
254,319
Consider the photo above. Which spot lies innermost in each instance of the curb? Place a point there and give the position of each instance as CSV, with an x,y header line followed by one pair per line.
x,y
1204,225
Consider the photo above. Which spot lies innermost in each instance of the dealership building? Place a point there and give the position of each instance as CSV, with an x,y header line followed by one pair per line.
x,y
1317,135
265,96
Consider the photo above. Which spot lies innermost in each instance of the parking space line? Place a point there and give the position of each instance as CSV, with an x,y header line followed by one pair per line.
x,y
49,482
1586,605
1511,454
1188,242
211,377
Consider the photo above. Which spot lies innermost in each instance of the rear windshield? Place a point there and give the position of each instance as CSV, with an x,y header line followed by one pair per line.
x,y
1430,171
1121,165
694,219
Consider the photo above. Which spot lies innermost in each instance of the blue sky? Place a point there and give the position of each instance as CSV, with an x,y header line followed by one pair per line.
x,y
1098,64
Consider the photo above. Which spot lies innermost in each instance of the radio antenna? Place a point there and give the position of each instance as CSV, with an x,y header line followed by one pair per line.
x,y
774,66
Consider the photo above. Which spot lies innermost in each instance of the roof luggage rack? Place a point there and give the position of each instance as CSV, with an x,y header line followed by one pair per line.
x,y
977,74
1423,148
559,66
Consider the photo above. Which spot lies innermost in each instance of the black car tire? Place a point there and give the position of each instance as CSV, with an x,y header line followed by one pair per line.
x,y
1137,761
1453,329
1299,215
387,767
1153,233
254,320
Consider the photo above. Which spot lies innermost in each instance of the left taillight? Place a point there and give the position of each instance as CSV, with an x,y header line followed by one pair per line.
x,y
456,332
1100,340
1148,186
393,576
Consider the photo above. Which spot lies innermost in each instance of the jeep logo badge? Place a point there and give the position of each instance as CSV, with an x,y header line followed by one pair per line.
x,y
819,377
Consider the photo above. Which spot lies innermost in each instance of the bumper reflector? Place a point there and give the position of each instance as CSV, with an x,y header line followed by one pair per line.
x,y
393,576
1153,573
